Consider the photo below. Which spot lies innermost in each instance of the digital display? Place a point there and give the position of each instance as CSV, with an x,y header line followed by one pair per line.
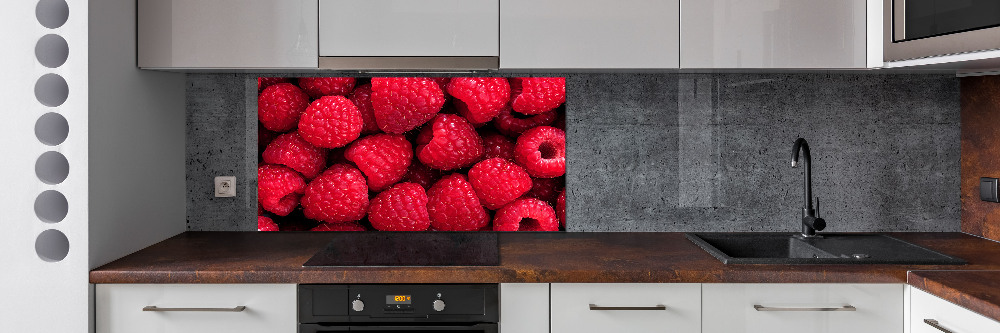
x,y
397,299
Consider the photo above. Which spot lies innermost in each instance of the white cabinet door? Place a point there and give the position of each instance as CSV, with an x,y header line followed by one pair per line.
x,y
589,34
626,307
524,308
774,34
792,308
227,34
951,317
269,308
409,28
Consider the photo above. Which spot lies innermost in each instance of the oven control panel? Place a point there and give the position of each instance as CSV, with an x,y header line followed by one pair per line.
x,y
399,303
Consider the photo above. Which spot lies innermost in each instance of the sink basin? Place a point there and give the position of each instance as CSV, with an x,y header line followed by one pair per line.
x,y
786,248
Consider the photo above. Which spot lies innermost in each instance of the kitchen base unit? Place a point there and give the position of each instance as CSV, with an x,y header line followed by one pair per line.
x,y
626,307
195,308
802,308
930,314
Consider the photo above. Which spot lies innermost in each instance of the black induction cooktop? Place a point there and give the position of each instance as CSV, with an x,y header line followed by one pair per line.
x,y
409,249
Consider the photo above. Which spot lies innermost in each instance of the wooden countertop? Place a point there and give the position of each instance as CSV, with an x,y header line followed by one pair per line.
x,y
978,291
277,257
269,257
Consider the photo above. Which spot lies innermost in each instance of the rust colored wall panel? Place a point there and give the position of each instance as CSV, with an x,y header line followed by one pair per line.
x,y
980,153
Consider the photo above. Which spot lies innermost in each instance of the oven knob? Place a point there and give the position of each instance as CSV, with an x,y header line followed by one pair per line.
x,y
438,305
358,305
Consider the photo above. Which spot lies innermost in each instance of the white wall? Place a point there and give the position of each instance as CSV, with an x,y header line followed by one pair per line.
x,y
125,150
36,295
137,185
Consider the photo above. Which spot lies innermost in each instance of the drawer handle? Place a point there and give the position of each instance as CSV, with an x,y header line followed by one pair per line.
x,y
935,324
234,309
759,307
627,308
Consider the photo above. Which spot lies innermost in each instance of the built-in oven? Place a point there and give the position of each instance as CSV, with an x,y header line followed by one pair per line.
x,y
465,308
927,28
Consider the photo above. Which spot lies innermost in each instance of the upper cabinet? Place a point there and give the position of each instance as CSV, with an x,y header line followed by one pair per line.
x,y
407,34
581,34
195,34
509,34
779,34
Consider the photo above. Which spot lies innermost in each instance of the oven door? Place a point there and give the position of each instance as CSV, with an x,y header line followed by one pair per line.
x,y
473,328
926,28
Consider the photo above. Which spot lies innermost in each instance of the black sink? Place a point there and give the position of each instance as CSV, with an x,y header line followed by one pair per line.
x,y
787,248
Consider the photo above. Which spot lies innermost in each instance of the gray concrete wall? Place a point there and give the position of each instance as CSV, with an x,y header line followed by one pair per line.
x,y
685,152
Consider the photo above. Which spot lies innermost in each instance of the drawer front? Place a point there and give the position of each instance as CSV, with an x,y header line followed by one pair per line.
x,y
572,311
409,28
949,316
730,308
269,308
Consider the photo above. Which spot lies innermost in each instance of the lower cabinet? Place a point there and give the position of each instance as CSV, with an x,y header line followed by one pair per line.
x,y
524,308
625,307
802,308
196,308
930,314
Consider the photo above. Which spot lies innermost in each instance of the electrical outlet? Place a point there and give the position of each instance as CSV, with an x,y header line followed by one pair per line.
x,y
225,186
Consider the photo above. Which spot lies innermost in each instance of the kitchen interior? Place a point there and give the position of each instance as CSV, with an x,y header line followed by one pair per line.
x,y
728,166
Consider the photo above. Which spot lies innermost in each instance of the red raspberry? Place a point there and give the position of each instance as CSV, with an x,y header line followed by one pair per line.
x,y
542,151
479,99
545,189
400,208
441,81
337,195
404,103
561,208
526,214
330,122
422,175
383,158
317,87
454,206
279,188
280,106
347,226
260,210
535,95
362,99
513,123
498,182
264,82
292,151
498,145
266,224
452,143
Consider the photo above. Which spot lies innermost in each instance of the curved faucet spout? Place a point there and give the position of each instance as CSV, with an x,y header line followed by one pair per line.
x,y
803,146
810,222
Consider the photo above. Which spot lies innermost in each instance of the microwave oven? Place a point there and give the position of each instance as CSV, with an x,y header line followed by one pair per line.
x,y
915,29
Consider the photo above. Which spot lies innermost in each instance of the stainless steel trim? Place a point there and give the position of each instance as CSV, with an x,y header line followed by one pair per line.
x,y
934,323
627,308
963,42
158,309
409,63
759,307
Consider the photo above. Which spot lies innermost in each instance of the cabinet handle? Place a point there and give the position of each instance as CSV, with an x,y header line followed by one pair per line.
x,y
629,308
759,307
234,309
935,324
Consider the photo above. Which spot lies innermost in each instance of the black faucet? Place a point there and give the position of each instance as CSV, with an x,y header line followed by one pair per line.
x,y
810,222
